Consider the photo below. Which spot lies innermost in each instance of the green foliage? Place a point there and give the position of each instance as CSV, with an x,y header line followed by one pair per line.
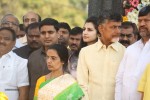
x,y
72,11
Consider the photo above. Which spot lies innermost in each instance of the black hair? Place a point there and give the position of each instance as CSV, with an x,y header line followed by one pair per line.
x,y
21,27
10,30
76,30
32,26
94,21
49,21
109,15
64,25
62,52
129,24
144,11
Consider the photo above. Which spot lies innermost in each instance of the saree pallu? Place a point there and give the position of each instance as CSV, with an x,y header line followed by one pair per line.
x,y
64,87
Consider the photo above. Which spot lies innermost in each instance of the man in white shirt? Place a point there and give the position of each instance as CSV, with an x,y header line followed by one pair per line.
x,y
13,69
135,60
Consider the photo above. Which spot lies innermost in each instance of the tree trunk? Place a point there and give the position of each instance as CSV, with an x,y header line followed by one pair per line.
x,y
95,6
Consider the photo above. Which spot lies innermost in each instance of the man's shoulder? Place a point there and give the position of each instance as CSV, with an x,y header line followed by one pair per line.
x,y
23,51
134,45
36,52
21,48
121,48
90,47
120,45
96,46
18,58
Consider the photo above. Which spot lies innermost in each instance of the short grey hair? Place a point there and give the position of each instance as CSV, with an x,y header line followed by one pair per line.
x,y
7,15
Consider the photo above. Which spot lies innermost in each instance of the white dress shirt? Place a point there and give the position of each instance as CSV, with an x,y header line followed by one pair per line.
x,y
18,44
13,74
130,70
23,40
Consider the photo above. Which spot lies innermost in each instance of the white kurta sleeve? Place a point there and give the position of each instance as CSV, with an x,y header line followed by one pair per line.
x,y
119,79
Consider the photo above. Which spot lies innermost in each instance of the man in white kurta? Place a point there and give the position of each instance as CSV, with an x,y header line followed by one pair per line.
x,y
130,70
136,57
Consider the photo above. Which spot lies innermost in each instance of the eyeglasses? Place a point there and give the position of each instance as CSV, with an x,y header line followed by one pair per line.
x,y
8,23
5,38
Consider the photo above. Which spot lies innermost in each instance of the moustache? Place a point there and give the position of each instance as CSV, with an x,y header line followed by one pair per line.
x,y
34,42
142,27
61,38
2,44
73,45
124,42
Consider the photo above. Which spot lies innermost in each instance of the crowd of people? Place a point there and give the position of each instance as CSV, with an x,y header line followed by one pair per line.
x,y
44,59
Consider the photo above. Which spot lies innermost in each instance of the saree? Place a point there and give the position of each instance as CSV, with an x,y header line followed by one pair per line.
x,y
64,87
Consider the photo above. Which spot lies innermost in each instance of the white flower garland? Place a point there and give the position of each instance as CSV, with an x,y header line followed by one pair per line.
x,y
133,15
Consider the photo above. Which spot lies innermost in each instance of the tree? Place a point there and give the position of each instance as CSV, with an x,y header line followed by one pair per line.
x,y
95,6
70,11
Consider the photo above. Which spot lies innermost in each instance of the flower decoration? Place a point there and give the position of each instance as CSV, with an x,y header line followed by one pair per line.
x,y
125,18
144,2
132,7
129,10
140,6
134,3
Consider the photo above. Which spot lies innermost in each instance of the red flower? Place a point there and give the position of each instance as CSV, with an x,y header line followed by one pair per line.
x,y
128,10
134,3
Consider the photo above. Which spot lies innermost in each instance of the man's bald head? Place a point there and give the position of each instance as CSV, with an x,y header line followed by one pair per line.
x,y
30,17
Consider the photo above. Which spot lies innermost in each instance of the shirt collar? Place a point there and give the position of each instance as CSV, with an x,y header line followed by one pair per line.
x,y
141,42
9,54
148,41
42,50
100,45
115,46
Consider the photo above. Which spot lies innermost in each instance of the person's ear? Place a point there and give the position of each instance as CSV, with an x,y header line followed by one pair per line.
x,y
136,37
100,28
62,63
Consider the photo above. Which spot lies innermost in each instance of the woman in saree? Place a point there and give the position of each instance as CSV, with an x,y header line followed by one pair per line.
x,y
58,84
